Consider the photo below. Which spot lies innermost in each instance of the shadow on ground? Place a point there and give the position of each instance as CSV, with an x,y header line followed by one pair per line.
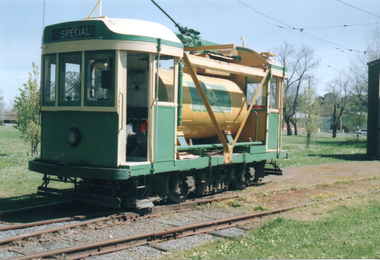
x,y
35,213
346,157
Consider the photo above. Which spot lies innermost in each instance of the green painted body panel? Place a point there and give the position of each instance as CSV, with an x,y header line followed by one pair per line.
x,y
257,149
101,32
125,172
166,134
99,138
273,131
79,171
272,66
220,100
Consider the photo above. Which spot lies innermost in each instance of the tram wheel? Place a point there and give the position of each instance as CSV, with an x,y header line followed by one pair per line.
x,y
177,188
240,177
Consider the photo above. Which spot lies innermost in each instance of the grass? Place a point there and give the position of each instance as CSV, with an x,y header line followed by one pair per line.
x,y
323,149
18,185
350,231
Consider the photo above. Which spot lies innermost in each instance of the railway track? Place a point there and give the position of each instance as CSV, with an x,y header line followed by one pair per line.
x,y
121,243
97,223
146,238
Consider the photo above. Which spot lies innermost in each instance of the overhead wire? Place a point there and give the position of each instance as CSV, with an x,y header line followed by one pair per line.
x,y
340,1
337,46
295,29
339,26
241,14
264,14
298,30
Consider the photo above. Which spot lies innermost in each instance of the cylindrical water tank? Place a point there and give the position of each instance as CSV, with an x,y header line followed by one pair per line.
x,y
226,99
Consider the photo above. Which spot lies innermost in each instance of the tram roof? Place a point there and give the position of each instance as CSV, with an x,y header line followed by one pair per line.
x,y
114,29
139,27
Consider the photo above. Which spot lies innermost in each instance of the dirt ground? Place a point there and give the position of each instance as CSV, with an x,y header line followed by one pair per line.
x,y
325,173
300,185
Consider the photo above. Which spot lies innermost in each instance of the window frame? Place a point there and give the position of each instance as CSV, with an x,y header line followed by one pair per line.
x,y
65,103
99,103
45,102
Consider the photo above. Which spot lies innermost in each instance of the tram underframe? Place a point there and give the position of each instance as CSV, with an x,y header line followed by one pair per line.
x,y
147,190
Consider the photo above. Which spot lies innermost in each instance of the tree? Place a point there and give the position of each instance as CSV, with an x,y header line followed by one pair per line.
x,y
336,100
359,70
310,107
299,64
28,107
1,108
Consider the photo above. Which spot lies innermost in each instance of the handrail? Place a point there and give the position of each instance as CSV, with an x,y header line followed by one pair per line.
x,y
210,146
257,122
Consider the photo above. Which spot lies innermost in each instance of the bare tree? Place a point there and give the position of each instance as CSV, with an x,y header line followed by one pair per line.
x,y
299,64
359,70
373,44
336,99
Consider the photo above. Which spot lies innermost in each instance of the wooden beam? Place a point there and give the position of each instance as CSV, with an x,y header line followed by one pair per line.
x,y
204,63
249,110
227,156
210,47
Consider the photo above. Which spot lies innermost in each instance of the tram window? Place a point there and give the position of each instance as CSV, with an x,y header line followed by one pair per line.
x,y
49,63
70,77
166,81
273,93
100,77
251,92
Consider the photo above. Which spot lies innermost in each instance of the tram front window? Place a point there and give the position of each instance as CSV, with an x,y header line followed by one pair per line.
x,y
70,77
100,77
49,63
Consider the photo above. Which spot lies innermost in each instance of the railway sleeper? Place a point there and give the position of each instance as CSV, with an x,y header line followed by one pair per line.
x,y
174,187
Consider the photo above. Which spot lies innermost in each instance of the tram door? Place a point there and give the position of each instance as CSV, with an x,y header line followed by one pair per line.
x,y
373,124
137,106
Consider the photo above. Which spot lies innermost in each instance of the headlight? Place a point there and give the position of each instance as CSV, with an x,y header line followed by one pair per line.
x,y
73,137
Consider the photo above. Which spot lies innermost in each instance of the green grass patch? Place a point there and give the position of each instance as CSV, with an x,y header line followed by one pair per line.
x,y
348,232
323,149
344,182
323,185
18,185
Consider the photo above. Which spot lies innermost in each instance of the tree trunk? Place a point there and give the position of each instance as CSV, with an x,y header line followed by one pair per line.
x,y
334,130
295,129
288,127
335,125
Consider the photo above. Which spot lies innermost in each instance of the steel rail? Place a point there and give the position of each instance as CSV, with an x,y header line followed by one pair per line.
x,y
40,223
6,243
187,205
147,238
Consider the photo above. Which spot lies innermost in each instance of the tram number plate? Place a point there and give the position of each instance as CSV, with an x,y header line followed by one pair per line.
x,y
74,32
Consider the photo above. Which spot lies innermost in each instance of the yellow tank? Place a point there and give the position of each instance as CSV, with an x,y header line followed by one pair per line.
x,y
227,101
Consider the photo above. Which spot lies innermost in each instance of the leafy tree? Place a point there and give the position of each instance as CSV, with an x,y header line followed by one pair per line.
x,y
355,114
28,107
310,107
299,63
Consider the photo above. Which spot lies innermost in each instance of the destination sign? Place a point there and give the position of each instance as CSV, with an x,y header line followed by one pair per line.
x,y
77,32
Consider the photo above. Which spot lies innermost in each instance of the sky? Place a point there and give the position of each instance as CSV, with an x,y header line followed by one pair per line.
x,y
331,27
